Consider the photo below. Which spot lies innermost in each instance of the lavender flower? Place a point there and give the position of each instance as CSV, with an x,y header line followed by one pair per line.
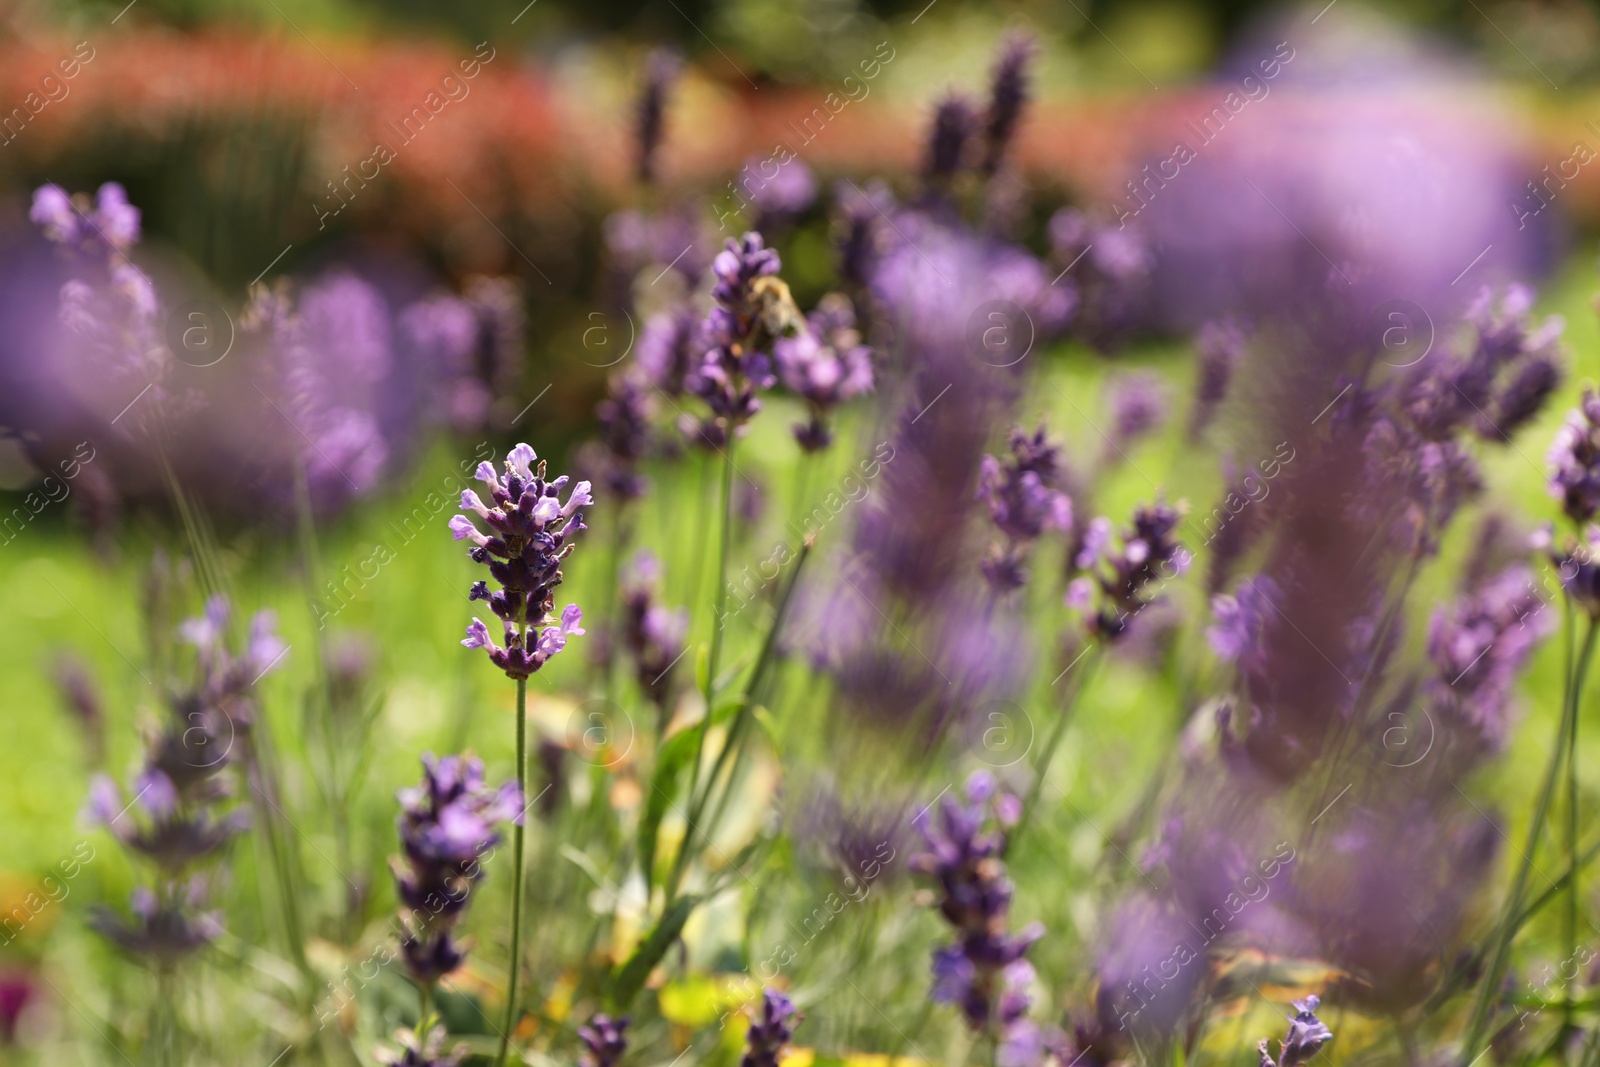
x,y
179,818
1219,344
1242,620
769,1034
954,123
530,534
446,827
1306,1035
604,1041
416,1051
859,230
782,197
753,309
1575,460
111,225
652,633
1138,406
668,349
1124,577
824,364
1578,567
1006,99
624,418
1024,502
963,858
1112,266
661,70
1478,646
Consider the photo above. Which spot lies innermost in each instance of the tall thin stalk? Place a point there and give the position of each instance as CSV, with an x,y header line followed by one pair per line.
x,y
517,837
1490,982
1570,924
1057,732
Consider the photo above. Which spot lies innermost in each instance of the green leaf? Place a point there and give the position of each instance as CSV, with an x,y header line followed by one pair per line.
x,y
673,756
630,977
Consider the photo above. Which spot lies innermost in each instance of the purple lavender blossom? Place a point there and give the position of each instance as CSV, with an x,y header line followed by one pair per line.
x,y
422,1052
824,364
963,858
625,438
652,633
530,534
1127,578
955,121
1306,1035
753,309
1575,460
604,1040
1112,266
1219,344
1242,620
860,234
1138,404
661,70
446,827
669,348
1008,95
163,929
1478,646
1578,567
783,196
771,1031
1024,502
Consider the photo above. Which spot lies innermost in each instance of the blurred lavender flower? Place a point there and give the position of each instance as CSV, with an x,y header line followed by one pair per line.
x,y
661,70
604,1040
859,230
669,349
1008,95
679,239
1128,579
415,1051
1306,1035
530,531
1138,405
770,1032
977,973
825,364
1241,621
111,225
753,309
1219,345
1112,268
446,827
1575,460
81,696
625,437
1578,567
1478,646
781,197
955,122
179,818
652,633
1024,502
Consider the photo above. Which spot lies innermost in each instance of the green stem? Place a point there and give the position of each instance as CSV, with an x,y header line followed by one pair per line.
x,y
1490,983
424,1010
1570,925
1045,757
719,609
517,835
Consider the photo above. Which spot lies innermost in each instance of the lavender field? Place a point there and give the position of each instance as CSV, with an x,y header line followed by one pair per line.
x,y
772,532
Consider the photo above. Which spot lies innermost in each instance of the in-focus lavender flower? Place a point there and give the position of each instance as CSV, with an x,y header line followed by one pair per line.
x,y
1024,502
964,847
1306,1035
753,309
955,121
446,828
771,1031
604,1040
661,70
530,532
824,364
1126,578
1575,460
1219,344
1008,95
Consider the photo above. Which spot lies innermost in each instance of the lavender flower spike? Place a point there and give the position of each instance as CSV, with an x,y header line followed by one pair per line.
x,y
1306,1035
604,1041
530,532
770,1034
824,364
1575,460
1024,501
1009,94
